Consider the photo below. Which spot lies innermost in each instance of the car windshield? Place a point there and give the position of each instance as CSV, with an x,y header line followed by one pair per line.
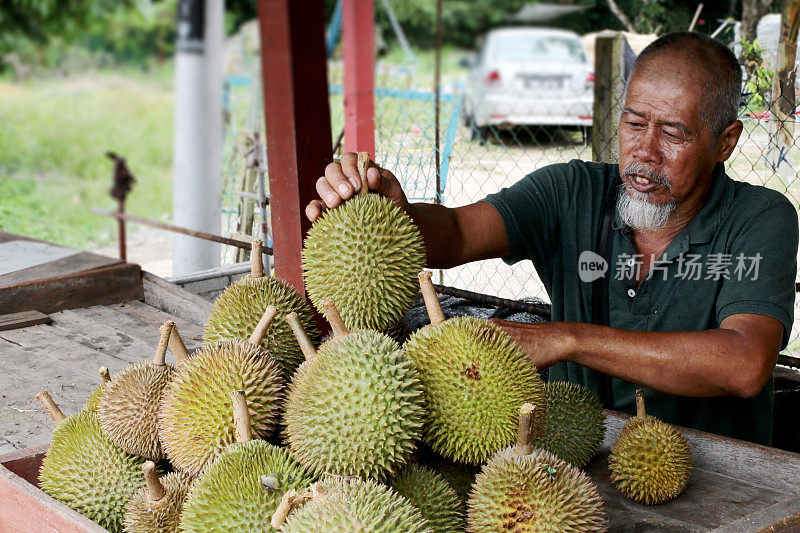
x,y
527,48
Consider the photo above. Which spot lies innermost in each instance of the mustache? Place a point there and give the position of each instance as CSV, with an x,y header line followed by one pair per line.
x,y
643,170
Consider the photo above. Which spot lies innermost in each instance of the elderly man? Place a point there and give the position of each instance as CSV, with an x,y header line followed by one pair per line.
x,y
698,298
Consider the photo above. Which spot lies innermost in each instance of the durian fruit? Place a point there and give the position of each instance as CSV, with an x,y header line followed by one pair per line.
x,y
237,310
475,377
128,408
351,505
432,495
575,423
354,408
651,461
86,471
243,488
156,508
367,238
194,420
97,393
528,489
460,476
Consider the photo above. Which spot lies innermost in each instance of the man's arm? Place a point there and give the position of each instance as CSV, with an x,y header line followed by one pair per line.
x,y
452,236
735,360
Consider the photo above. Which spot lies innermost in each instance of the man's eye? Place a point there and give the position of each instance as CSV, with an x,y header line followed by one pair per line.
x,y
636,124
672,134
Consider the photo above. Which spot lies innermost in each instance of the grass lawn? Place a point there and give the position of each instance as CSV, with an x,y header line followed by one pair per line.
x,y
53,140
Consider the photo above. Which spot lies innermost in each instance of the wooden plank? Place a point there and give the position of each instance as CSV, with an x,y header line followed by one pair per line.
x,y
168,297
783,516
23,507
625,515
67,266
191,333
23,319
112,284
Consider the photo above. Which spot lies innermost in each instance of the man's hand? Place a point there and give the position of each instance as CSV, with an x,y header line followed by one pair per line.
x,y
545,343
341,181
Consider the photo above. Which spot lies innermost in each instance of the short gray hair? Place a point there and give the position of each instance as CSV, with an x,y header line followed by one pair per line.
x,y
722,91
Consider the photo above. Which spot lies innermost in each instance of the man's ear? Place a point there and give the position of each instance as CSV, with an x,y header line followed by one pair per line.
x,y
727,140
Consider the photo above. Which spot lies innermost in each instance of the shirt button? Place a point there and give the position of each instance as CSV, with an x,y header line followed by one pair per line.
x,y
631,293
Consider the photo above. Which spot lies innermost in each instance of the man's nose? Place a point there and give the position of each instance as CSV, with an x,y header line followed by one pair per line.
x,y
647,147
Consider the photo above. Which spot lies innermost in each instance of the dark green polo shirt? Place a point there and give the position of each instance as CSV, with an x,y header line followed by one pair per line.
x,y
737,255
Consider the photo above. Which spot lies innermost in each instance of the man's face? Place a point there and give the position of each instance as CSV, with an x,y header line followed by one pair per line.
x,y
666,152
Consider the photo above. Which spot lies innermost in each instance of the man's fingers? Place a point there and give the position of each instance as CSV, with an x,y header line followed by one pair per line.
x,y
386,184
349,170
314,209
329,196
334,174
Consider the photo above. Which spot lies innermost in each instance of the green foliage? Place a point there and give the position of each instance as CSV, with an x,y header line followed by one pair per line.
x,y
759,77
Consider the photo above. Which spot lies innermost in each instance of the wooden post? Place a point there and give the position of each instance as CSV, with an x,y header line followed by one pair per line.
x,y
613,61
297,116
358,49
783,100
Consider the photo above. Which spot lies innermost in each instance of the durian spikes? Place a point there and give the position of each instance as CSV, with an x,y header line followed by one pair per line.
x,y
334,318
105,375
431,299
640,412
241,417
159,359
362,164
300,334
155,489
50,406
256,259
177,346
525,436
263,325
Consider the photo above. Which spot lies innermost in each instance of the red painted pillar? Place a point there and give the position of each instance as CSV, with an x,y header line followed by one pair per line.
x,y
358,46
298,123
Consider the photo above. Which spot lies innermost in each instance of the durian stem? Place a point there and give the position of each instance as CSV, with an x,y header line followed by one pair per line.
x,y
105,375
256,259
334,318
155,489
431,298
525,437
177,347
362,164
241,416
263,325
160,358
51,407
640,411
289,502
300,334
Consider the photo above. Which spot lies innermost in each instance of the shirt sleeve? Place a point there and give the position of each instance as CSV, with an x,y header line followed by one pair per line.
x,y
531,210
762,269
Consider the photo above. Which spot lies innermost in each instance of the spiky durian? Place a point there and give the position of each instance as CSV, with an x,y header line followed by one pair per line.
x,y
243,488
355,407
97,393
651,461
475,377
528,489
460,476
128,408
86,471
237,310
575,423
366,238
355,506
195,422
432,495
156,508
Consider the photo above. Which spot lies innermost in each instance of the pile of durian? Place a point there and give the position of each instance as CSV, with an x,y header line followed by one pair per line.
x,y
265,428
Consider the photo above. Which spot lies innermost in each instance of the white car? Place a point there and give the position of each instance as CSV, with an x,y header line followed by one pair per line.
x,y
529,77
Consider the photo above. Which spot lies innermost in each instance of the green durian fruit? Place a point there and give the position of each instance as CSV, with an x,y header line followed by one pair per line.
x,y
460,476
356,506
157,507
575,423
355,408
237,310
364,255
195,423
651,461
475,377
128,408
432,495
528,489
87,472
97,394
241,491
